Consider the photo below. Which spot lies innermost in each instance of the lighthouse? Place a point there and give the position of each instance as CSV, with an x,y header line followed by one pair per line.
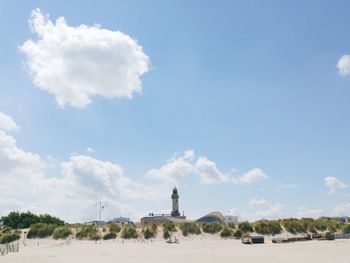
x,y
175,199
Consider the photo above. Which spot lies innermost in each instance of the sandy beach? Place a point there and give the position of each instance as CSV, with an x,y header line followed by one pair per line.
x,y
189,250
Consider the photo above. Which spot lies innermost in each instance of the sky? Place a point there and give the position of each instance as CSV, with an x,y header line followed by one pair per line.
x,y
242,105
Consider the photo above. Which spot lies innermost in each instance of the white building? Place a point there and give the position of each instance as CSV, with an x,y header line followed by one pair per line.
x,y
229,219
120,221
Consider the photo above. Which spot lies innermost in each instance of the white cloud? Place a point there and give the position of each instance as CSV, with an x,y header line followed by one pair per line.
x,y
77,63
341,210
173,172
265,209
343,65
304,211
252,176
334,184
209,173
70,189
105,178
90,150
258,203
7,123
29,182
15,161
177,169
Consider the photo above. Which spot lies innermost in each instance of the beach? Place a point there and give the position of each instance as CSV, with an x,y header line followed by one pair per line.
x,y
196,249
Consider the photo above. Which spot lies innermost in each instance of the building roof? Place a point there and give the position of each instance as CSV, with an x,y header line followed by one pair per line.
x,y
217,215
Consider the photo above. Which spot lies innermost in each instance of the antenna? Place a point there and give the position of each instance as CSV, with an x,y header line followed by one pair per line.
x,y
101,205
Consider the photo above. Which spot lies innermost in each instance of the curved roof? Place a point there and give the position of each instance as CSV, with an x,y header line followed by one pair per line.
x,y
216,216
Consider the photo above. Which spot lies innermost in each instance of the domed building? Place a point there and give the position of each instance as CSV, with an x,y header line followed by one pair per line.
x,y
212,217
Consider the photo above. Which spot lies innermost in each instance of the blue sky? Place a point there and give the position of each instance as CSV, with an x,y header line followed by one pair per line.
x,y
247,89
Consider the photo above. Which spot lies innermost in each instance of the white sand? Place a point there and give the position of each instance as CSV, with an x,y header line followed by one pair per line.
x,y
189,250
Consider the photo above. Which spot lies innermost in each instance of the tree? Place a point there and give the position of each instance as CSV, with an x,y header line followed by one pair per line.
x,y
18,220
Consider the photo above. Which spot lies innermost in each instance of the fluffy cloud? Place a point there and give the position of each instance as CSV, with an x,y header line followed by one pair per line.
x,y
105,178
29,181
341,210
252,176
90,150
77,63
333,184
304,211
7,123
176,170
209,173
343,65
70,189
265,209
17,162
21,175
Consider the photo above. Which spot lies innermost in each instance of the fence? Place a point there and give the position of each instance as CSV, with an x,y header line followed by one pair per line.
x,y
9,248
341,236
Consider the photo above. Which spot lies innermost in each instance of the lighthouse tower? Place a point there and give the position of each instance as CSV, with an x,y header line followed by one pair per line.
x,y
175,198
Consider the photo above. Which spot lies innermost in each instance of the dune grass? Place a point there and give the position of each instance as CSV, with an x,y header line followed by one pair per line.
x,y
110,235
62,232
226,232
245,227
266,227
8,235
41,230
150,231
212,228
88,232
129,232
113,228
190,228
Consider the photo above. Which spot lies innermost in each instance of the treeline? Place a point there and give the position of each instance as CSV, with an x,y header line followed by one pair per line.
x,y
17,220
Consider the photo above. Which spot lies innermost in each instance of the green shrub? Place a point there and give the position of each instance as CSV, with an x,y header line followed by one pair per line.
x,y
226,232
346,229
309,225
331,225
232,225
169,226
245,227
166,234
6,230
189,228
9,237
61,232
212,228
238,233
148,233
88,232
41,230
129,232
294,226
111,235
334,225
113,228
320,225
268,227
